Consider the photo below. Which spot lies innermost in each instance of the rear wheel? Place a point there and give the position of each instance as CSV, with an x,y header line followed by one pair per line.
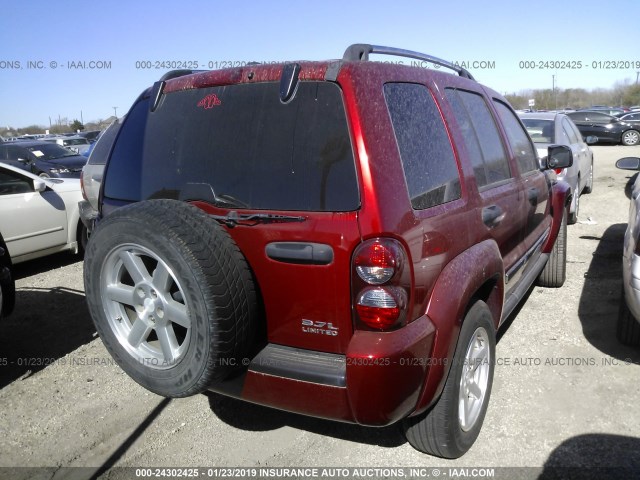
x,y
588,188
573,217
171,296
630,138
628,331
555,271
451,427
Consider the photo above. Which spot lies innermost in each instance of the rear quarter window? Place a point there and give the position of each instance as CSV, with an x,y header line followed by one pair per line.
x,y
430,168
518,139
481,137
124,173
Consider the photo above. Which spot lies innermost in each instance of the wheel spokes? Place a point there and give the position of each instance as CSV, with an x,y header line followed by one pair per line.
x,y
168,342
135,266
177,313
121,294
139,333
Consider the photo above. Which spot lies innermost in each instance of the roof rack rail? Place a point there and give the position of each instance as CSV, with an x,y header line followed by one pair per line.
x,y
359,52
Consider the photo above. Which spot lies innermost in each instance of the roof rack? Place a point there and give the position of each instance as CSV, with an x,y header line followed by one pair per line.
x,y
359,52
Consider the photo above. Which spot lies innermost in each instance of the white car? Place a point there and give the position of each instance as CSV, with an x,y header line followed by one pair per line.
x,y
39,216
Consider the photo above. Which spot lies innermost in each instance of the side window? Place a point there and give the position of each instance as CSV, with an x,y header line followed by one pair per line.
x,y
126,158
569,131
481,137
14,153
12,183
100,152
598,117
430,168
578,117
518,138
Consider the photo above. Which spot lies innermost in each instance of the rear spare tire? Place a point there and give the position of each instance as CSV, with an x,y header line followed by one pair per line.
x,y
171,296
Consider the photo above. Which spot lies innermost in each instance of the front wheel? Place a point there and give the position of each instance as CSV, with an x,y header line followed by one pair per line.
x,y
630,138
628,331
451,427
555,271
588,188
573,217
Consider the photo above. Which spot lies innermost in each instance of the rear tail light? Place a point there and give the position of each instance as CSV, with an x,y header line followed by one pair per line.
x,y
84,195
380,284
559,170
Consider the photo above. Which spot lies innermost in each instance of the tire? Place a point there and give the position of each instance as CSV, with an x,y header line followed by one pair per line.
x,y
628,329
447,430
631,138
82,236
168,276
588,188
573,217
555,271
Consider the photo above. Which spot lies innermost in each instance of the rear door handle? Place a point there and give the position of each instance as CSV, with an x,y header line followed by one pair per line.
x,y
492,216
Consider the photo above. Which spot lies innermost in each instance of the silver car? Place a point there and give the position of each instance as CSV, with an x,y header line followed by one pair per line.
x,y
629,316
547,128
75,143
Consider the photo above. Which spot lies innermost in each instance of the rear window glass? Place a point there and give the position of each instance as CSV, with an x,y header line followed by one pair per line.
x,y
240,146
541,130
430,168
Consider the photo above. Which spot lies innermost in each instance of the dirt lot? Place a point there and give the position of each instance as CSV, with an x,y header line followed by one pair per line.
x,y
565,392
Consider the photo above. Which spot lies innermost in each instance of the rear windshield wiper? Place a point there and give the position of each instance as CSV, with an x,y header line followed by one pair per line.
x,y
252,219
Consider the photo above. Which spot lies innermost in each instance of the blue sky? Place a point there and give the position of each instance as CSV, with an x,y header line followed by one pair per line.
x,y
120,33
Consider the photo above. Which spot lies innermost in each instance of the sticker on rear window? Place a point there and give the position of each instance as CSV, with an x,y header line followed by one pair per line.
x,y
38,153
209,101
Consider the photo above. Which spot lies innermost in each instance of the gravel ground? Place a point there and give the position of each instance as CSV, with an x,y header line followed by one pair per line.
x,y
565,391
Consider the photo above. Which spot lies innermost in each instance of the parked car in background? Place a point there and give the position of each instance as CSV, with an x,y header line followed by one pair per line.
x,y
7,284
42,158
632,118
606,127
93,171
547,129
91,136
39,216
73,143
628,330
614,111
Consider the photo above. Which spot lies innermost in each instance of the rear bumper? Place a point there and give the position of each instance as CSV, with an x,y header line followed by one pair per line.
x,y
88,214
376,383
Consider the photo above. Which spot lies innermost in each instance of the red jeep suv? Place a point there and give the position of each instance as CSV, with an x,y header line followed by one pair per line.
x,y
340,239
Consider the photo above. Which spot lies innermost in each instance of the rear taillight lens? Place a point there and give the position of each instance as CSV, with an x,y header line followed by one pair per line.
x,y
559,170
381,284
84,195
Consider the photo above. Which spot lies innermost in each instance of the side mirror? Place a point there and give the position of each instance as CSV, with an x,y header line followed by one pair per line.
x,y
559,156
628,163
39,185
591,140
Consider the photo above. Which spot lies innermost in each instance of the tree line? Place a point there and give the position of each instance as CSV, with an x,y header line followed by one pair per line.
x,y
549,99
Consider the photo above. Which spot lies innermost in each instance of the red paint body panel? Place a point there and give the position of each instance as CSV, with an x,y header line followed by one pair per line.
x,y
312,399
292,292
385,374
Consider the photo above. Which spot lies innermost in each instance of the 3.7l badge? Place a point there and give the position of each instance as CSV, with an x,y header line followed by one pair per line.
x,y
319,328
